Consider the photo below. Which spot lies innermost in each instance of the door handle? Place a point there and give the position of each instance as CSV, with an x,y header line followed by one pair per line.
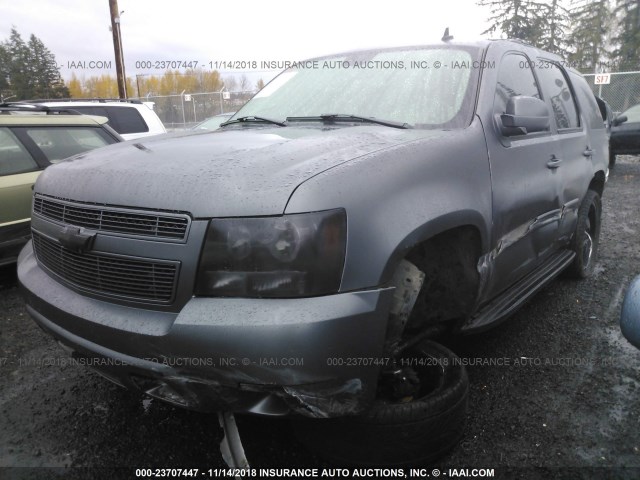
x,y
554,162
588,152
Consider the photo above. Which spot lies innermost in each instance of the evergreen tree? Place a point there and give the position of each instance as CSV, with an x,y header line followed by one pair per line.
x,y
555,28
29,70
627,51
523,19
4,72
591,22
47,82
19,61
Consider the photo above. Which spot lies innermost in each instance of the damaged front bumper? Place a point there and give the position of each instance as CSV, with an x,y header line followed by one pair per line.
x,y
318,357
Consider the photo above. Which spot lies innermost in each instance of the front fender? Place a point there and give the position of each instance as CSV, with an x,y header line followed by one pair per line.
x,y
398,197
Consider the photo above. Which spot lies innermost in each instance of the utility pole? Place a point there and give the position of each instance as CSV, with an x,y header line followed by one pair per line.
x,y
117,48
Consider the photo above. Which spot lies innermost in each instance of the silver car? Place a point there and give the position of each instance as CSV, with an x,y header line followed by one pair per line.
x,y
302,258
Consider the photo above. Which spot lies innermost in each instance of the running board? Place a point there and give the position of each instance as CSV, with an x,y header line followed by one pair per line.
x,y
514,297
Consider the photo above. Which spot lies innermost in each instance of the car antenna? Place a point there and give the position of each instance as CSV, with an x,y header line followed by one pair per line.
x,y
446,37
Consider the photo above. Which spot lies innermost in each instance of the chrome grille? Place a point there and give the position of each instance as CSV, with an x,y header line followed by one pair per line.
x,y
136,279
112,219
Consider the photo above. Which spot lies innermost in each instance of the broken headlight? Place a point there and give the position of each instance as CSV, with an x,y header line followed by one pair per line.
x,y
288,256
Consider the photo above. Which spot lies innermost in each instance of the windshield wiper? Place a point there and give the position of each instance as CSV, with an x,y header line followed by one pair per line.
x,y
252,118
332,117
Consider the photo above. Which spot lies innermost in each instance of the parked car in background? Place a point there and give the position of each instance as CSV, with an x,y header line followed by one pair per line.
x,y
30,142
625,134
130,118
606,112
630,316
212,123
607,118
303,259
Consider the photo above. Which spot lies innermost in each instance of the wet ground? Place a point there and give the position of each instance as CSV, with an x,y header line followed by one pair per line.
x,y
567,405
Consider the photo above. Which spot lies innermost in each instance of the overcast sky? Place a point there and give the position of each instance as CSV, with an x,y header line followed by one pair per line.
x,y
251,30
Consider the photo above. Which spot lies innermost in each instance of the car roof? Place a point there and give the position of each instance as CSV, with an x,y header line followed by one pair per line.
x,y
481,44
93,103
35,119
110,101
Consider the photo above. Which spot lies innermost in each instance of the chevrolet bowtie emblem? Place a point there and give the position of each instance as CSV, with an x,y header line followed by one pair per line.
x,y
76,239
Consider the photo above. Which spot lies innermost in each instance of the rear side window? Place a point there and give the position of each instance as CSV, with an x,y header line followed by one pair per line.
x,y
121,119
14,158
59,143
558,91
126,120
514,78
593,113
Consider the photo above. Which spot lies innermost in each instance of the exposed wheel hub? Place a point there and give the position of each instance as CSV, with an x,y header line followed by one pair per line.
x,y
401,383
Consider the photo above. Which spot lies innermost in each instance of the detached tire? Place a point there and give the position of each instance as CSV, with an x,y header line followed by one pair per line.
x,y
394,433
587,236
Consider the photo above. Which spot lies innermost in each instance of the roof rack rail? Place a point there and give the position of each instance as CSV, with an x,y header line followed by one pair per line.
x,y
96,99
521,42
34,107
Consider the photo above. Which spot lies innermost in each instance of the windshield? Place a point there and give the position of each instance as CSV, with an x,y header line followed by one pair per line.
x,y
427,87
213,123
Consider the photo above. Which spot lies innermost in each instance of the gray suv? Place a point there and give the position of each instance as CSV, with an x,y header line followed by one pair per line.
x,y
303,257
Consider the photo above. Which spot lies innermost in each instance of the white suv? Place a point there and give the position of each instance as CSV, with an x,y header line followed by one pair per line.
x,y
130,118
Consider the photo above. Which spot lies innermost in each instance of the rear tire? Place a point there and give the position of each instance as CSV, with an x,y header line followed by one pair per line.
x,y
393,433
587,236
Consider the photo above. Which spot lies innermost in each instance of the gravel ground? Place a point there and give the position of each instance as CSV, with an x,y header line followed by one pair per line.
x,y
567,405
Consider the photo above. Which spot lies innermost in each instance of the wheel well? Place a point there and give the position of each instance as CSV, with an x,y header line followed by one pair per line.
x,y
597,183
449,261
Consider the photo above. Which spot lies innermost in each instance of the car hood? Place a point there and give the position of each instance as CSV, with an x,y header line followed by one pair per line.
x,y
231,172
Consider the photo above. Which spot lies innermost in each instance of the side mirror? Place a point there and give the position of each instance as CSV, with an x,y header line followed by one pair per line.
x,y
619,120
630,317
524,115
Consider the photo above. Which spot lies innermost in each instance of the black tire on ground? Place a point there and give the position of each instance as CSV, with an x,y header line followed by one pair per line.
x,y
587,236
399,434
612,159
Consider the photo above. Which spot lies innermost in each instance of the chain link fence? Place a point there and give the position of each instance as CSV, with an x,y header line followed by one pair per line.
x,y
185,110
622,91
